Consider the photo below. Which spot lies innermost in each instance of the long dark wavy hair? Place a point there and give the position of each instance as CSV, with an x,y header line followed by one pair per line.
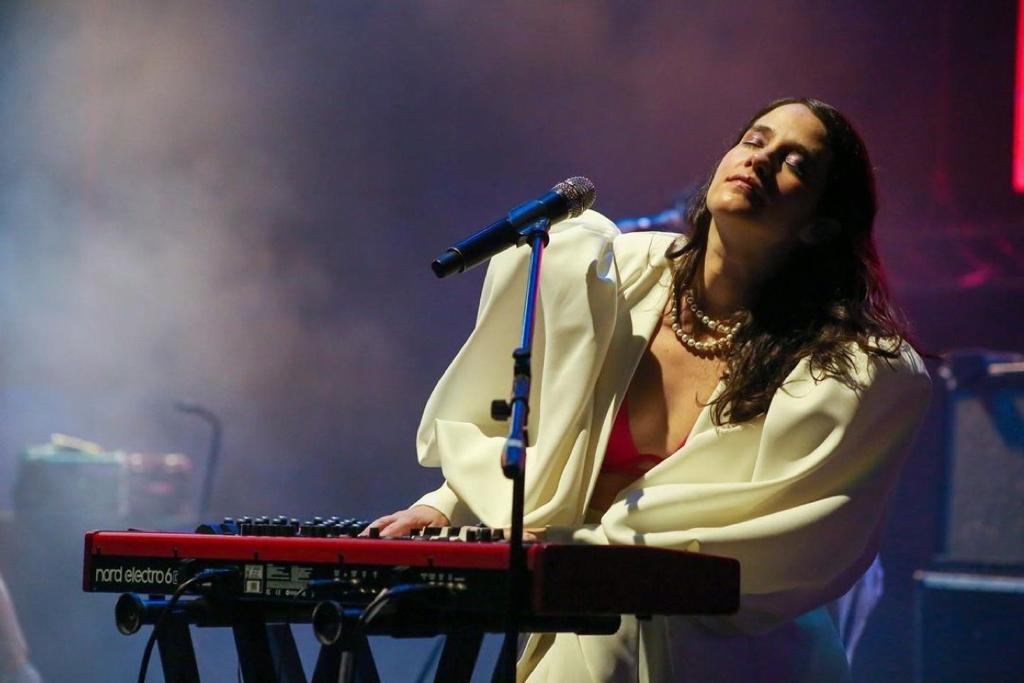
x,y
826,300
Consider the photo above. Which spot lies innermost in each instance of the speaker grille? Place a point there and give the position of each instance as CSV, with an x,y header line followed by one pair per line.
x,y
985,418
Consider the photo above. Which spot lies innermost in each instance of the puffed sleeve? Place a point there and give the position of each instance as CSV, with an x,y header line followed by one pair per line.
x,y
456,408
577,300
445,501
804,521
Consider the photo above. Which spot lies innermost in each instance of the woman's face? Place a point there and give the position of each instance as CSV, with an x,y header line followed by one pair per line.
x,y
767,187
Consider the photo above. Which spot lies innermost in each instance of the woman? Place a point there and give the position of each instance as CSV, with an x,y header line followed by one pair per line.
x,y
745,393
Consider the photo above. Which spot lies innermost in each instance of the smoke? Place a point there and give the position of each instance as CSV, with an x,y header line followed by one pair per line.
x,y
152,237
162,236
237,202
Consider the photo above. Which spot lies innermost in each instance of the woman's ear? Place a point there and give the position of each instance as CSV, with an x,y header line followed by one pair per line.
x,y
820,231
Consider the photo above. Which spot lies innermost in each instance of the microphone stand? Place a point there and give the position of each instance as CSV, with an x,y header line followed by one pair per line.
x,y
216,430
513,458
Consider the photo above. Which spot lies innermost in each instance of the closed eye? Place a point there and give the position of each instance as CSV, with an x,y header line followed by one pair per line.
x,y
796,162
754,140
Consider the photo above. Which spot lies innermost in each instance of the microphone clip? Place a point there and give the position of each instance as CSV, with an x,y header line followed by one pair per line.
x,y
539,227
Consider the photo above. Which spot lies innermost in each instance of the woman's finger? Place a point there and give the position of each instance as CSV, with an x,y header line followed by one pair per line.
x,y
379,522
531,535
398,528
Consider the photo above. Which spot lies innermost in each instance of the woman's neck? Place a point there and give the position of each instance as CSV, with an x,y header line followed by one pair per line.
x,y
729,277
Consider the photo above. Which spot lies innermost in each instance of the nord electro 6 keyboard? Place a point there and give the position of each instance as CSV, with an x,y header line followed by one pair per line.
x,y
261,576
282,559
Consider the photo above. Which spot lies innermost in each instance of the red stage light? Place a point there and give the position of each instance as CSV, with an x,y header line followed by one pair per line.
x,y
1018,117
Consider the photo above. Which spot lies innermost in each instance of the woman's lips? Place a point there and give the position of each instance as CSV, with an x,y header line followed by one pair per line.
x,y
748,185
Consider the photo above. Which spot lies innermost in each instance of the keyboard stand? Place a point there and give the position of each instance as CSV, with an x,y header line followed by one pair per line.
x,y
177,657
267,652
458,658
347,661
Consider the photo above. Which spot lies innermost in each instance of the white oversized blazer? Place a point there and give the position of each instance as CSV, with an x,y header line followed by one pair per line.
x,y
796,495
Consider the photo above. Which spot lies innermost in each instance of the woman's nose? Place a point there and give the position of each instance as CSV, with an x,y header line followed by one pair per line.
x,y
760,163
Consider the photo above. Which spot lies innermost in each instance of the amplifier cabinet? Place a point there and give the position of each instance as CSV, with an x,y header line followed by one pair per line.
x,y
969,628
984,422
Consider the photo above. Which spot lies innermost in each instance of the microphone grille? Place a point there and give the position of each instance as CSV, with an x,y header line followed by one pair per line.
x,y
580,193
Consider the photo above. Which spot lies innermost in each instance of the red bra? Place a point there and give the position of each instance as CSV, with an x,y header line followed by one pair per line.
x,y
621,455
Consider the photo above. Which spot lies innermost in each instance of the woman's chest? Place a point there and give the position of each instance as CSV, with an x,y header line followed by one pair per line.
x,y
668,392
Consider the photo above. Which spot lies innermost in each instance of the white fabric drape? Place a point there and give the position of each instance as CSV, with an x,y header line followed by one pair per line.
x,y
796,495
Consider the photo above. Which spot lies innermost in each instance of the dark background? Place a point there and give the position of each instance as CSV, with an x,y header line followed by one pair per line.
x,y
237,202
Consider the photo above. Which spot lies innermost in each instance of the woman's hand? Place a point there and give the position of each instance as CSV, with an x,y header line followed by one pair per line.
x,y
530,534
402,522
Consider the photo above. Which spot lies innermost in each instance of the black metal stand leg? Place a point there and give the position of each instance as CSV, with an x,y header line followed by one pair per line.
x,y
458,659
347,661
357,659
285,655
253,646
177,657
328,663
504,668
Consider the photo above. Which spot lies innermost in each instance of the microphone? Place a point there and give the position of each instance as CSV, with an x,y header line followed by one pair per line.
x,y
672,220
567,199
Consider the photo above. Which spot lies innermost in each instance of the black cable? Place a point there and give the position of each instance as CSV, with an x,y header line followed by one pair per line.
x,y
379,602
178,592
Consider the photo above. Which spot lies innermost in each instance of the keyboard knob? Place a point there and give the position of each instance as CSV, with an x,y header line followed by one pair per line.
x,y
501,410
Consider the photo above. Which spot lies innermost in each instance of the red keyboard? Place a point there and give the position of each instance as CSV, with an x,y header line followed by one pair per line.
x,y
563,579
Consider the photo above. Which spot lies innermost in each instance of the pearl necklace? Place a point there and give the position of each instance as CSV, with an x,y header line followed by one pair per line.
x,y
716,347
